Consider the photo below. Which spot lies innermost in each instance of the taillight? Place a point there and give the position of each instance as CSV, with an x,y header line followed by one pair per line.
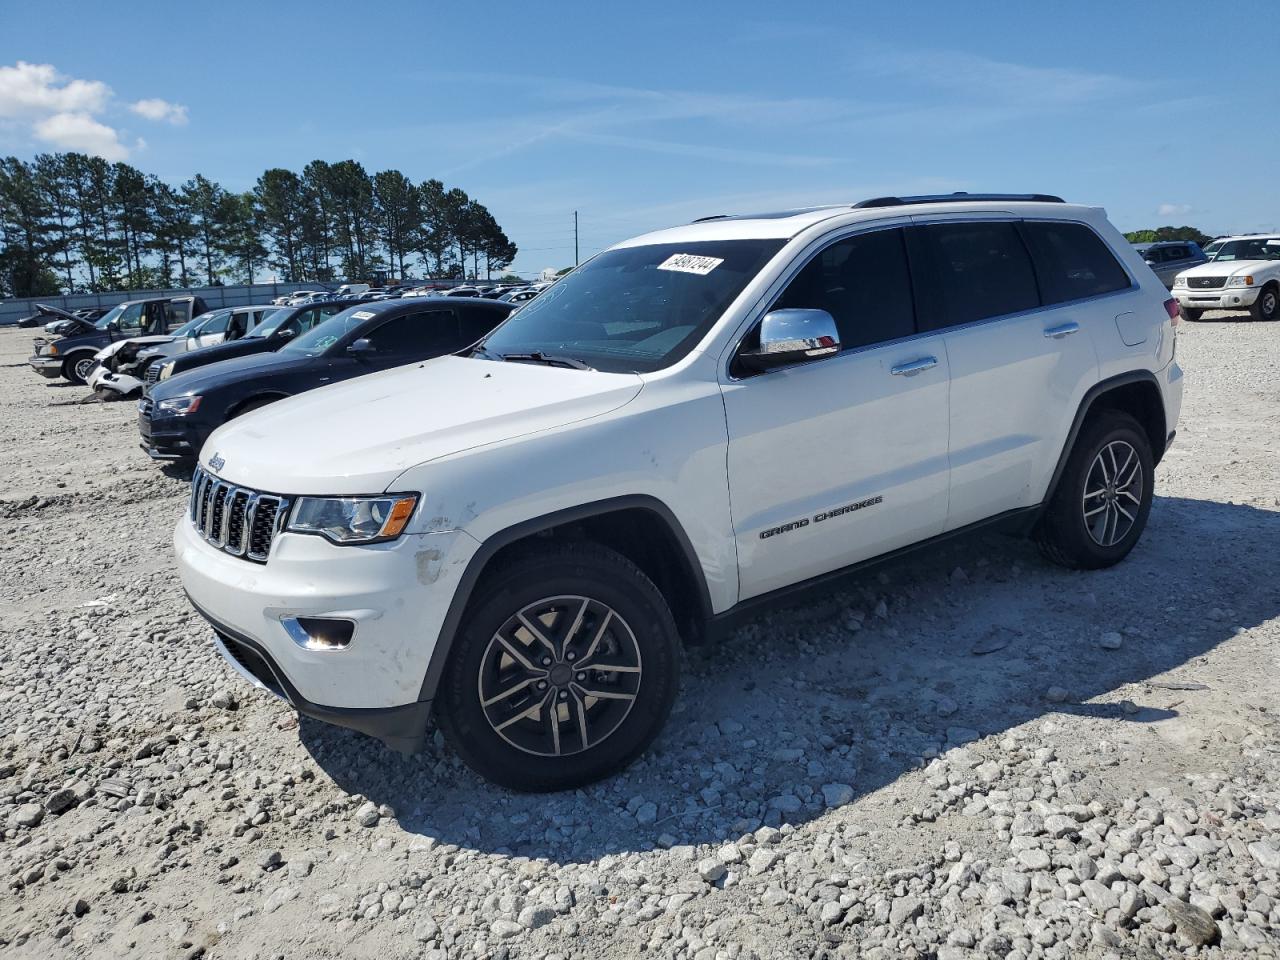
x,y
1171,308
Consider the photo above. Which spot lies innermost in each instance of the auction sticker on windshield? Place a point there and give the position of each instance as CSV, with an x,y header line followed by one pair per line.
x,y
688,263
363,315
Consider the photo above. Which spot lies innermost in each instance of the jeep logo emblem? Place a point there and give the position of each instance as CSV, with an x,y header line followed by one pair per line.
x,y
216,462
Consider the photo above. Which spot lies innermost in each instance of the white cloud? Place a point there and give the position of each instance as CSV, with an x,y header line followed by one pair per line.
x,y
69,114
161,110
1173,209
79,131
37,88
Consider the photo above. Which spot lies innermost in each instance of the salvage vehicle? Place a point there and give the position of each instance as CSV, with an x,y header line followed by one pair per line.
x,y
72,356
692,425
178,415
272,334
1242,274
122,365
55,320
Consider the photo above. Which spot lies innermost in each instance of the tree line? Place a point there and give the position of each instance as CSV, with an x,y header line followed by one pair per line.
x,y
1157,234
74,223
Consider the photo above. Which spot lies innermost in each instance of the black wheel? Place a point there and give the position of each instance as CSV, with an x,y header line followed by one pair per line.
x,y
1267,306
563,671
1189,313
1100,507
78,366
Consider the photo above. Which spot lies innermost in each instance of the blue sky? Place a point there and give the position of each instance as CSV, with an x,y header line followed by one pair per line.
x,y
642,115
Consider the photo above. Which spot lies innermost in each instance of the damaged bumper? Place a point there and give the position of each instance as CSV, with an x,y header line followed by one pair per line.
x,y
121,383
389,602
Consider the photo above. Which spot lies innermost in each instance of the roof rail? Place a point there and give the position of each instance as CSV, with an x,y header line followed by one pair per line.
x,y
714,216
957,197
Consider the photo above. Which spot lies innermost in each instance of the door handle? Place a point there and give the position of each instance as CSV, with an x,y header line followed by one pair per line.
x,y
912,367
1062,330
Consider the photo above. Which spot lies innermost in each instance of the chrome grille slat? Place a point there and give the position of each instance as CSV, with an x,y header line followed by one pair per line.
x,y
238,520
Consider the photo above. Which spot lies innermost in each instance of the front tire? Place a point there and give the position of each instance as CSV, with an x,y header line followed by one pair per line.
x,y
1190,313
563,671
77,367
1100,506
1267,306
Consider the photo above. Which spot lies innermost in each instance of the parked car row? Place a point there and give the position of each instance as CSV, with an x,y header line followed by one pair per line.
x,y
1231,273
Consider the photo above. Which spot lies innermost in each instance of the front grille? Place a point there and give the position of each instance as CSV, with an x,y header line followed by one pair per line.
x,y
153,371
1206,283
241,521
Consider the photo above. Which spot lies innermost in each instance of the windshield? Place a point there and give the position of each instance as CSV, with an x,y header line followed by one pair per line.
x,y
633,309
328,332
104,321
194,324
272,322
1256,248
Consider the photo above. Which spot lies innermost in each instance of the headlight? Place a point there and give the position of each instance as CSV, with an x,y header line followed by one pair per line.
x,y
179,406
345,520
49,350
166,371
1179,281
1240,281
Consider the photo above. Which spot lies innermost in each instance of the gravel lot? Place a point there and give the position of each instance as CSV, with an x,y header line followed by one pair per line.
x,y
854,779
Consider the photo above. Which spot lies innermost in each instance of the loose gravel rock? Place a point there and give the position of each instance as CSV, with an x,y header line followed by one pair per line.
x,y
845,778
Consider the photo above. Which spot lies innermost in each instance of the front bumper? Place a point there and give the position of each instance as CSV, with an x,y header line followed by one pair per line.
x,y
121,383
47,367
1228,298
396,595
168,438
401,728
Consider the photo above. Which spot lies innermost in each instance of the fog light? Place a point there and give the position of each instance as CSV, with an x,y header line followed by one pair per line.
x,y
319,633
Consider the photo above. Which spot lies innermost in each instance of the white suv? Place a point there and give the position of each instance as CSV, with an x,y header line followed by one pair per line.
x,y
1243,273
516,540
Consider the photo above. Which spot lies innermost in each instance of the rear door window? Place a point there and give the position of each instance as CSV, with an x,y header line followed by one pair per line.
x,y
864,283
979,269
1073,262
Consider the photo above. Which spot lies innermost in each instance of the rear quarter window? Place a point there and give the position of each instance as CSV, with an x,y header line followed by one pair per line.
x,y
1072,262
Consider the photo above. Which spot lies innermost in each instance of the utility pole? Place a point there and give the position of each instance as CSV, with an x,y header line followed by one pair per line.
x,y
575,238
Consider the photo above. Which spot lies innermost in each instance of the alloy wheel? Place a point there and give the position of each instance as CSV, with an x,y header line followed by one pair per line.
x,y
560,676
84,367
1113,493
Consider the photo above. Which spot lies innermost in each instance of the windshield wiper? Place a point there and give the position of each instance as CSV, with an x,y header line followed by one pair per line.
x,y
481,350
550,360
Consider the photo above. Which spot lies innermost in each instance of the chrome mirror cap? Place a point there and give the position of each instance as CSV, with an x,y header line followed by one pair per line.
x,y
793,336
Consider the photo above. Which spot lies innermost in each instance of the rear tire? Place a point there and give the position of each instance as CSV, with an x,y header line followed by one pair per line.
x,y
1100,506
1189,313
517,706
1267,306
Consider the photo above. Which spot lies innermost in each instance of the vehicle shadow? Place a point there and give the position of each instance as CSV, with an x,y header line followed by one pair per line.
x,y
802,698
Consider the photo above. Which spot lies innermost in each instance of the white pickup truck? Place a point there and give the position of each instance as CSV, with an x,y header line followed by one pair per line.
x,y
1243,273
515,540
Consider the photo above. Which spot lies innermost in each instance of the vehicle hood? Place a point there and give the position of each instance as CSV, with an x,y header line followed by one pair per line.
x,y
213,376
117,346
1228,268
358,436
71,327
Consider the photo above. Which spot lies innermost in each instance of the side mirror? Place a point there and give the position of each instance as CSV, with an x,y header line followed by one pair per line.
x,y
284,333
792,336
360,348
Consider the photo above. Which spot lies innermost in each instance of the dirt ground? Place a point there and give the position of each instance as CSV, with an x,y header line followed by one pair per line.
x,y
850,779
